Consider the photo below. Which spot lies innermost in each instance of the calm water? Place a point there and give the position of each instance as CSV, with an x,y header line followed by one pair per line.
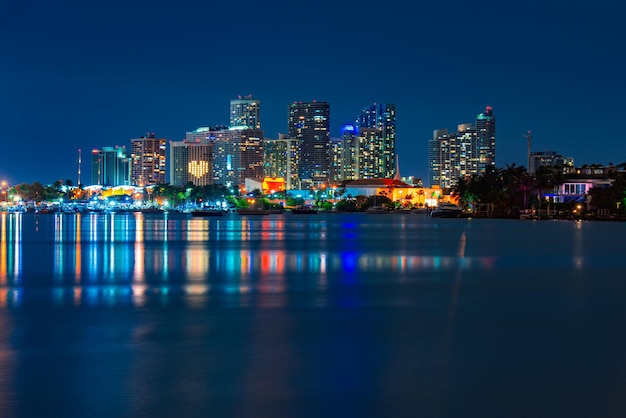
x,y
310,316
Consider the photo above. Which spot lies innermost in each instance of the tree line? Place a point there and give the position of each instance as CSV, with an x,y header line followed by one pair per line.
x,y
512,189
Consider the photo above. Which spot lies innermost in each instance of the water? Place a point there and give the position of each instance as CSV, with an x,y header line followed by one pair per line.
x,y
349,315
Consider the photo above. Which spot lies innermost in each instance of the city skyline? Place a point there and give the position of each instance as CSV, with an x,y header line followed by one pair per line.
x,y
80,76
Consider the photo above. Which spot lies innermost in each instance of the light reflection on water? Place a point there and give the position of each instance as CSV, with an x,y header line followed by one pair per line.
x,y
133,258
114,259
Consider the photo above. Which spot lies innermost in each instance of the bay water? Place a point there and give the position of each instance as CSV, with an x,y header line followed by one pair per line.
x,y
329,315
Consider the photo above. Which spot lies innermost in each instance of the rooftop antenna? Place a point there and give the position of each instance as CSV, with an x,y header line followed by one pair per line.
x,y
79,162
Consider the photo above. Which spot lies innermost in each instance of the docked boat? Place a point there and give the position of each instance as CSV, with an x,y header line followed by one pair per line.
x,y
446,210
253,211
304,210
377,210
207,212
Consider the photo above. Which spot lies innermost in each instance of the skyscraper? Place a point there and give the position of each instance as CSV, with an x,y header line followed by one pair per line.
x,y
148,160
469,150
237,153
350,149
110,166
486,131
245,111
382,116
282,159
310,122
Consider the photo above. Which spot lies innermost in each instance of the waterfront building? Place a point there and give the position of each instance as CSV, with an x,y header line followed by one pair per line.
x,y
282,159
468,151
148,158
370,162
486,136
350,153
550,159
245,111
310,123
336,159
381,116
191,161
237,153
110,166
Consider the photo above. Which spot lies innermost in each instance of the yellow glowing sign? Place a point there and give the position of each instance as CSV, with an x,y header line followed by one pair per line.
x,y
198,168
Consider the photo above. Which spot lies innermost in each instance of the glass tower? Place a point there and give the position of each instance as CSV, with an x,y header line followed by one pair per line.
x,y
310,122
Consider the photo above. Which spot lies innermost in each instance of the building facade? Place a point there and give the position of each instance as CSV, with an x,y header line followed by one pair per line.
x,y
310,123
382,116
148,158
245,111
282,160
237,154
468,151
550,159
350,150
191,161
110,166
486,135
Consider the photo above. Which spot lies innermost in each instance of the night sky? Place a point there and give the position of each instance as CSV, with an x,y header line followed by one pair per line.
x,y
86,74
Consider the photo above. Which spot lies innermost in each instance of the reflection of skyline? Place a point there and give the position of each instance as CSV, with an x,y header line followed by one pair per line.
x,y
109,259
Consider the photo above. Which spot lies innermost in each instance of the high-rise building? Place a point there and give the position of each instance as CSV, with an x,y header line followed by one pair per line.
x,y
148,160
310,122
469,150
245,111
452,155
382,116
486,131
336,159
350,149
191,161
282,159
237,153
370,160
110,166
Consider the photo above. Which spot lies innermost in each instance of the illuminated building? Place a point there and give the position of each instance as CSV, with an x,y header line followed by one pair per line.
x,y
370,162
310,122
110,166
237,153
349,153
282,159
191,161
486,134
245,111
466,152
148,160
550,159
336,159
381,116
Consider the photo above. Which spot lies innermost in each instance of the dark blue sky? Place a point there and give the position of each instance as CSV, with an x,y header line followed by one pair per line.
x,y
80,74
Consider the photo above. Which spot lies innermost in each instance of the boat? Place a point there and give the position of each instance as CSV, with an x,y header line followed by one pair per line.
x,y
253,211
446,210
377,210
207,212
419,211
304,210
275,211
